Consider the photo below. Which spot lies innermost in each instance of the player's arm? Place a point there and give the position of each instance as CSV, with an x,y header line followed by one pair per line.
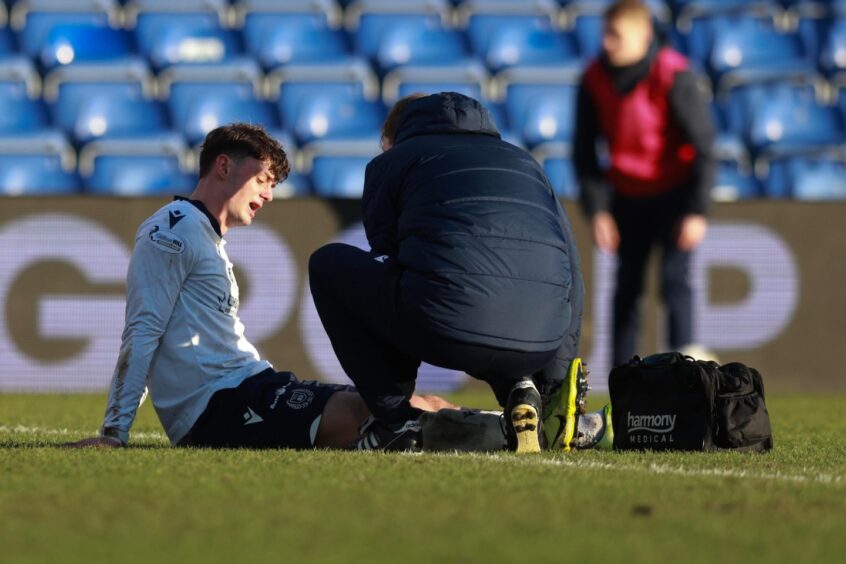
x,y
154,280
594,194
690,112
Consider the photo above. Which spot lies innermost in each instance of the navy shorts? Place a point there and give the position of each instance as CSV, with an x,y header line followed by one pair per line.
x,y
268,410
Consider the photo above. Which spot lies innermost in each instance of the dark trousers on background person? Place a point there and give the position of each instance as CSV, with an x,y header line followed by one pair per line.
x,y
380,343
644,223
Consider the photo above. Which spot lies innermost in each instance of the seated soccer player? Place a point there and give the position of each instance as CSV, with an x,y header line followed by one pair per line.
x,y
183,339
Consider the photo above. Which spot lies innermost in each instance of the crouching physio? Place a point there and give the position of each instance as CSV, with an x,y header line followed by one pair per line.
x,y
472,267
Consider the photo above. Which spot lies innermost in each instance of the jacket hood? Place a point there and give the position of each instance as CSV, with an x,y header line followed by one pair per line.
x,y
447,113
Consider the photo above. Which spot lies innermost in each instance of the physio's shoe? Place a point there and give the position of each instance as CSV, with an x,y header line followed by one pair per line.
x,y
561,412
401,436
522,418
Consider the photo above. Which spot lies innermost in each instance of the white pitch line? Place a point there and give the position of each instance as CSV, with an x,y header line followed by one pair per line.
x,y
25,430
534,461
660,469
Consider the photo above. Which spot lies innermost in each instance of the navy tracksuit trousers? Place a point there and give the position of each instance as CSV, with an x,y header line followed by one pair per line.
x,y
643,224
380,343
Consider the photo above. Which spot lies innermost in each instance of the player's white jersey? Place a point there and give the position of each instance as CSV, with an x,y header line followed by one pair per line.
x,y
182,338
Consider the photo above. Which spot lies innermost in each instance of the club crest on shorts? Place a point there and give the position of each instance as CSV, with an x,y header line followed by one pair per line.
x,y
300,399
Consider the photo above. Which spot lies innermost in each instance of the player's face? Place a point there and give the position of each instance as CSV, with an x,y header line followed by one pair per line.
x,y
626,40
251,185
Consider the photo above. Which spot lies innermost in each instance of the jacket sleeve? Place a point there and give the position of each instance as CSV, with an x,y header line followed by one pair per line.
x,y
379,208
595,194
691,114
153,283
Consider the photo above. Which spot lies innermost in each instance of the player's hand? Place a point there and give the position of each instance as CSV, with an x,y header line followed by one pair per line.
x,y
692,230
605,233
95,442
431,403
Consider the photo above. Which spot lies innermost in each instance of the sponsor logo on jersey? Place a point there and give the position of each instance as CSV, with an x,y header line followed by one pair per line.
x,y
166,240
227,303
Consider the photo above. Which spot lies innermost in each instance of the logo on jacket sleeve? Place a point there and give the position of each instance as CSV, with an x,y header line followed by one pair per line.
x,y
166,241
175,217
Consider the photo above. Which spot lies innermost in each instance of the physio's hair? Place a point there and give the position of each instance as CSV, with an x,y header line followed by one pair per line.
x,y
239,140
392,122
628,9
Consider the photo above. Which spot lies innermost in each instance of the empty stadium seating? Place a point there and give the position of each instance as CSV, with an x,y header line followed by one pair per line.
x,y
321,74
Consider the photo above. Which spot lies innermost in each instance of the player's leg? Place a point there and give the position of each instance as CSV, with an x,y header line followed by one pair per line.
x,y
635,244
677,295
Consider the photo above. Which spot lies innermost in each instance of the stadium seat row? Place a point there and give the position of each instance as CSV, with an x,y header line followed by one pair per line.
x,y
44,164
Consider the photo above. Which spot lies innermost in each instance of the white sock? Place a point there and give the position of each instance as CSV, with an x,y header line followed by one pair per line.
x,y
590,430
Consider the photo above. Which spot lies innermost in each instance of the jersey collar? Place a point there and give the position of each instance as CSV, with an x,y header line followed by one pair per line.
x,y
202,207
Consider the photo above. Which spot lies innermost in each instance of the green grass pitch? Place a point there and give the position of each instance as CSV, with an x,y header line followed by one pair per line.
x,y
151,503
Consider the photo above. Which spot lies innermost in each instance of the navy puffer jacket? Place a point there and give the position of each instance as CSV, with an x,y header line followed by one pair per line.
x,y
487,253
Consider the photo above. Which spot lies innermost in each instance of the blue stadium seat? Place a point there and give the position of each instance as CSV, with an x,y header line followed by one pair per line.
x,y
336,168
116,115
819,180
699,34
136,167
85,43
8,45
330,117
203,96
86,99
19,97
369,21
468,78
328,100
792,119
807,177
487,30
293,32
338,176
40,163
540,106
419,46
733,183
741,103
527,46
34,19
295,186
754,50
170,32
833,52
558,166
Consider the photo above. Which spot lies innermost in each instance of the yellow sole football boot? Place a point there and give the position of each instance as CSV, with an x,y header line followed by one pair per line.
x,y
561,412
522,414
606,442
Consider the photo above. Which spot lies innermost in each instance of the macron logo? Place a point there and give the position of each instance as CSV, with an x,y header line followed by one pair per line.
x,y
381,258
251,417
651,423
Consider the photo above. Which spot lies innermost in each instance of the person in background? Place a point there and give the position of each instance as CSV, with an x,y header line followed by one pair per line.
x,y
643,100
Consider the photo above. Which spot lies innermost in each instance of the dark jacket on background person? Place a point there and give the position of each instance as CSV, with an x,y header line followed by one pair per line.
x,y
487,252
658,129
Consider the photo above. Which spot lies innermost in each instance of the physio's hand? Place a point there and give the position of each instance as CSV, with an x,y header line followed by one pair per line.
x,y
692,230
605,233
95,442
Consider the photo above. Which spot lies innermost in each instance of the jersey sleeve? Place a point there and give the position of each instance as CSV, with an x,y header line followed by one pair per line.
x,y
160,263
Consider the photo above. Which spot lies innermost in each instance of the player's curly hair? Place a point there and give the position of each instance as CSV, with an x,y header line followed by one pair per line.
x,y
239,140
